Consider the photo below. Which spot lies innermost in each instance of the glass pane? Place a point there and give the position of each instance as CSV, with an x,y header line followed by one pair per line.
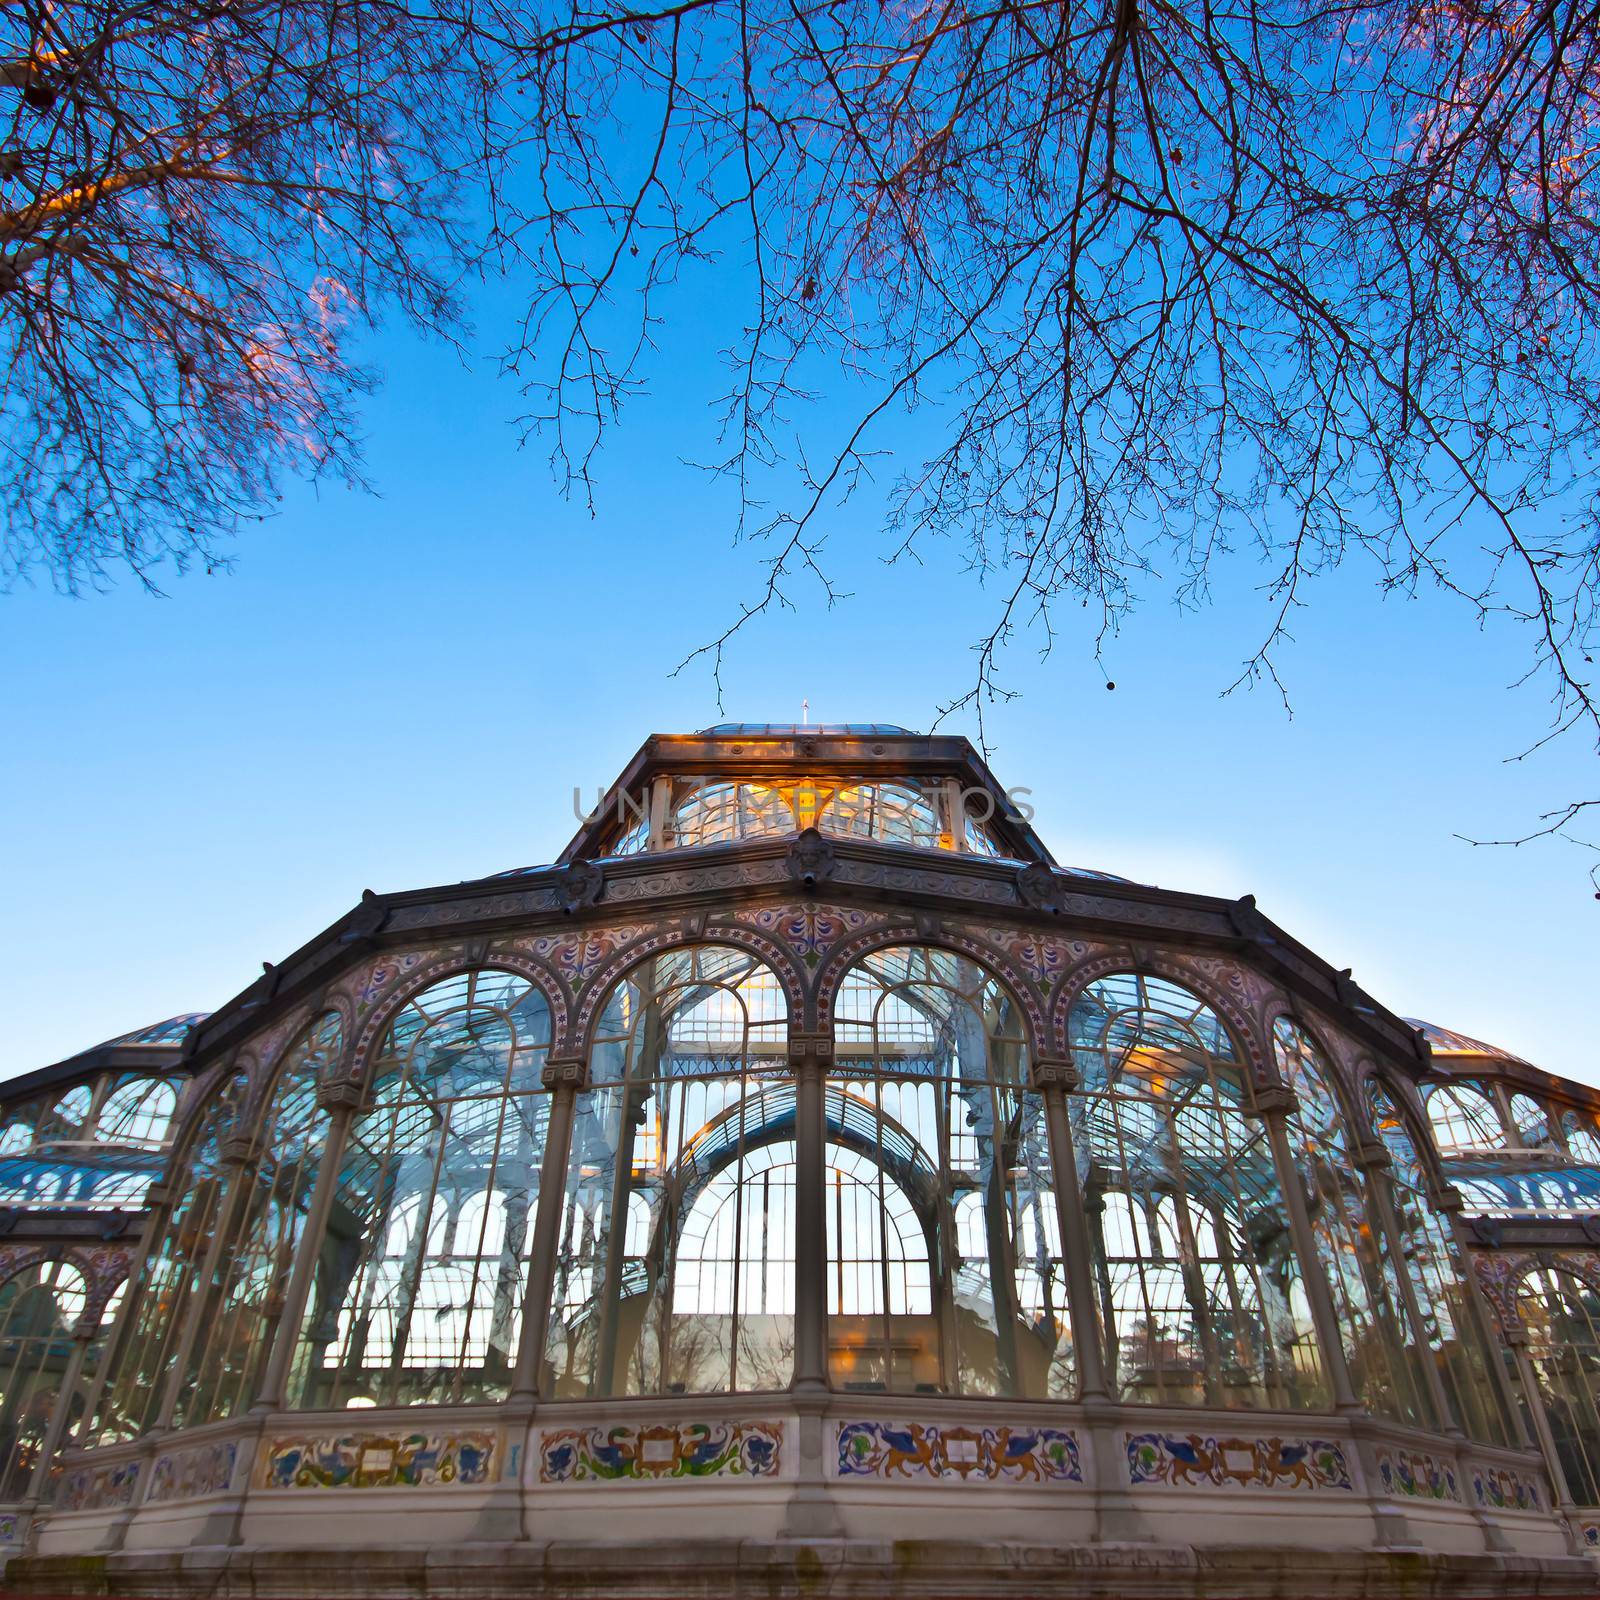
x,y
675,1268
1201,1294
1351,1248
945,1272
1562,1315
422,1270
39,1308
238,1313
1438,1275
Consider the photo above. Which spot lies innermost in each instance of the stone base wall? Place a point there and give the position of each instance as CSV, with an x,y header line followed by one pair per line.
x,y
836,1495
801,1570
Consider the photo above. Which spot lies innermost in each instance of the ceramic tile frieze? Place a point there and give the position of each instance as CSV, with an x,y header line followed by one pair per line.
x,y
378,1461
1503,1489
1418,1475
1182,1460
940,1451
188,1474
661,1450
1590,1534
98,1488
8,1527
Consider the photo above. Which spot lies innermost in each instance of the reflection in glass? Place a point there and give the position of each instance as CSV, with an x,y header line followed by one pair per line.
x,y
422,1270
675,1270
1368,1303
1438,1274
239,1310
1201,1295
1464,1117
1562,1316
39,1308
944,1253
132,1395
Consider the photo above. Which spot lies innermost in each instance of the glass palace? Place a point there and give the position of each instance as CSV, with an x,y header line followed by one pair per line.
x,y
804,1185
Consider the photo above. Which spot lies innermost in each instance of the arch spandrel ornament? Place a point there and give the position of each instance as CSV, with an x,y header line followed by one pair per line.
x,y
785,965
1501,1274
1228,999
940,935
423,974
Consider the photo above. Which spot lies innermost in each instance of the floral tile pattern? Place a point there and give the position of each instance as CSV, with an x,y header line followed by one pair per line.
x,y
1182,1460
188,1474
939,1451
1417,1475
378,1461
92,1488
1505,1490
662,1450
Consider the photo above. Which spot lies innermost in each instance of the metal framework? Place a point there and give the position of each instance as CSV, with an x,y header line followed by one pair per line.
x,y
805,1126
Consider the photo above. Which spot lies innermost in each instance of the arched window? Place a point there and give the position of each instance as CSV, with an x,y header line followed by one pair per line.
x,y
39,1308
944,1252
148,1345
1582,1138
1464,1117
720,813
1368,1303
137,1112
423,1269
891,813
1531,1121
1438,1275
238,1312
66,1122
1562,1316
16,1136
686,1136
1200,1290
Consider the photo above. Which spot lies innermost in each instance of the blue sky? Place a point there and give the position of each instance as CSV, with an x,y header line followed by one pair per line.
x,y
403,690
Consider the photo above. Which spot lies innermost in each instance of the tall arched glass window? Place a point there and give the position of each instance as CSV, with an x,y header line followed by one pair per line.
x,y
675,1264
39,1308
238,1312
422,1271
1438,1273
148,1347
138,1111
945,1272
1379,1347
1201,1294
1562,1316
1464,1117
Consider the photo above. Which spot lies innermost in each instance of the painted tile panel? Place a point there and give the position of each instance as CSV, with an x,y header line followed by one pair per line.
x,y
1418,1475
661,1450
378,1461
936,1451
1194,1459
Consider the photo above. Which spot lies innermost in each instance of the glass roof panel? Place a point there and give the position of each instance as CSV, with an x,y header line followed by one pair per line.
x,y
759,729
173,1031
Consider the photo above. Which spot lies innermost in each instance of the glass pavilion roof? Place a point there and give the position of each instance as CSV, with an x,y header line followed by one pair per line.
x,y
1447,1042
173,1031
758,729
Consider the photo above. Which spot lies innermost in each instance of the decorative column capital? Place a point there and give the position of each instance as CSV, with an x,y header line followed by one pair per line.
x,y
563,1072
1449,1200
1054,1072
239,1150
810,1046
1273,1099
343,1094
1370,1155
